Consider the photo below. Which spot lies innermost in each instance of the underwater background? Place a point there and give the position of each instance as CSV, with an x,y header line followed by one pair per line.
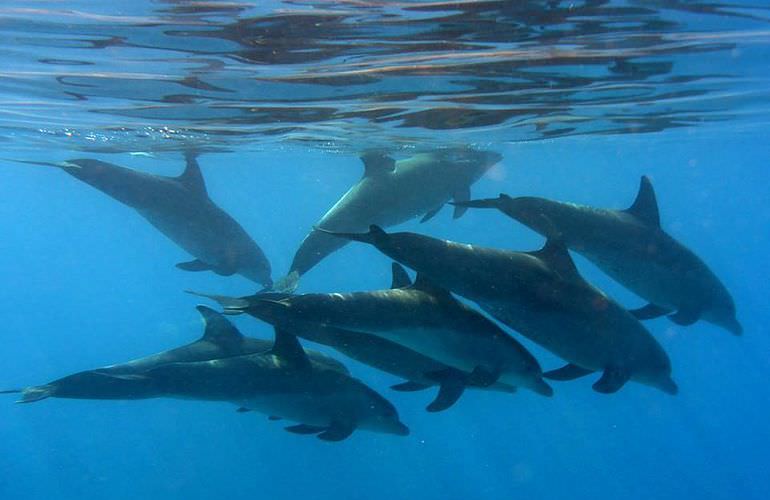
x,y
280,99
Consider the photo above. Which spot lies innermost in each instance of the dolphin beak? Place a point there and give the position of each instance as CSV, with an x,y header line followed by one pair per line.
x,y
401,429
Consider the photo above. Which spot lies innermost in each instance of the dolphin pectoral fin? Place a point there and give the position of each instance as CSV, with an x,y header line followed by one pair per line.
x,y
685,317
288,283
431,213
567,372
611,381
400,277
483,377
224,272
451,388
304,429
650,311
273,418
194,266
337,432
409,386
461,195
243,410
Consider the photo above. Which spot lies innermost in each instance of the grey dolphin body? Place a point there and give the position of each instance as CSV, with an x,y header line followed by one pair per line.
x,y
631,247
180,208
423,318
420,371
284,383
122,381
541,295
392,192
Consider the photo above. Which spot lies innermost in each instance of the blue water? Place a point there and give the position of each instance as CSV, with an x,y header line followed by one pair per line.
x,y
87,282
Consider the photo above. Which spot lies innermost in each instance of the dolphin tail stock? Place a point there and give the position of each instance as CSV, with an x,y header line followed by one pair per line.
x,y
368,237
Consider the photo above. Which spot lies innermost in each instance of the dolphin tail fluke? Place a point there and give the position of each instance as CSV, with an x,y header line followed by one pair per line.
x,y
370,237
232,305
287,284
34,393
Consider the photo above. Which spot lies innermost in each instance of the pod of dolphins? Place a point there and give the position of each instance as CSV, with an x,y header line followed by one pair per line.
x,y
416,330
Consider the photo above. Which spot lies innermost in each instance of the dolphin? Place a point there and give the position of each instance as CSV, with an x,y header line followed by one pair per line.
x,y
180,208
630,246
121,381
285,383
282,382
391,192
424,318
420,372
542,296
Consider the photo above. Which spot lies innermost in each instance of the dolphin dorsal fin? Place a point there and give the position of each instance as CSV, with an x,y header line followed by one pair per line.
x,y
218,330
555,254
421,282
287,347
645,207
377,164
400,278
192,178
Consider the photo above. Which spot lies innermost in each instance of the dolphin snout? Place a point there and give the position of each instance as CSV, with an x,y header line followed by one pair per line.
x,y
400,429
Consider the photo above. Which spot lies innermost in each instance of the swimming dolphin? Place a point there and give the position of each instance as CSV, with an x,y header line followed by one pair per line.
x,y
631,247
391,192
421,317
541,295
180,208
420,372
220,340
284,383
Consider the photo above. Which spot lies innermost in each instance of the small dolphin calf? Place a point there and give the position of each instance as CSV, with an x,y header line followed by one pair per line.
x,y
220,340
420,372
392,192
180,208
631,247
424,318
541,295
